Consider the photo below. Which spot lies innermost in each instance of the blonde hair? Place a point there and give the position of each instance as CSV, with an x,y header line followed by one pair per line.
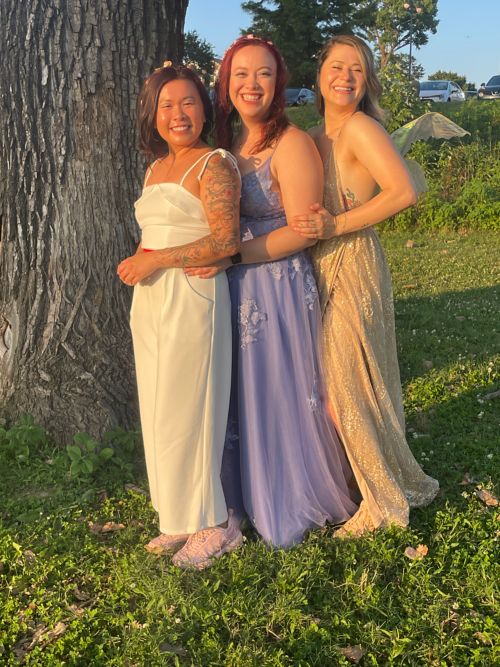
x,y
373,89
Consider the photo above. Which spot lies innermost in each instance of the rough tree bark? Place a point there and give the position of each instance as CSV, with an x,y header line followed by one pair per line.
x,y
70,74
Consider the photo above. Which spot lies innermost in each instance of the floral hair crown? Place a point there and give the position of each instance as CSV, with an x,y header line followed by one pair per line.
x,y
166,63
169,63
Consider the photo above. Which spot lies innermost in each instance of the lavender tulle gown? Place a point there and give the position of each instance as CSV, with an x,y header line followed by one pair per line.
x,y
283,464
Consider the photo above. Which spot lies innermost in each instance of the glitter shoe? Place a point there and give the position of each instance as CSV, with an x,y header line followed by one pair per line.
x,y
164,543
205,545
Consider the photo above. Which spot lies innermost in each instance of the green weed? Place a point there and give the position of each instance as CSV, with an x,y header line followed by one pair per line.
x,y
71,594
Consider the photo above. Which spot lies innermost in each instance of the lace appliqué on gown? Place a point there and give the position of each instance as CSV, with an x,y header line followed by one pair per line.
x,y
310,290
287,471
314,400
275,269
251,319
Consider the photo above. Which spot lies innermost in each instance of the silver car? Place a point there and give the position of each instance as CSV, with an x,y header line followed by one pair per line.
x,y
441,91
296,97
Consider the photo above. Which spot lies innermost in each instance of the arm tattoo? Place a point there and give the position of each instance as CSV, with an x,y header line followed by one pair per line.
x,y
220,196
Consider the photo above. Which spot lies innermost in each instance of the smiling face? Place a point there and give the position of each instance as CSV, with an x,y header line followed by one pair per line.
x,y
252,82
180,115
341,78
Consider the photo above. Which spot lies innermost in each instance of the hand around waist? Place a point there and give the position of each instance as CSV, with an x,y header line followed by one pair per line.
x,y
208,271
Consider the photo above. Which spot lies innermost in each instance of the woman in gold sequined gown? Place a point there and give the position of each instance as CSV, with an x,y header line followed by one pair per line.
x,y
365,182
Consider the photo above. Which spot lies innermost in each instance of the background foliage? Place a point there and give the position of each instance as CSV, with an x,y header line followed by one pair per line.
x,y
199,52
299,28
393,25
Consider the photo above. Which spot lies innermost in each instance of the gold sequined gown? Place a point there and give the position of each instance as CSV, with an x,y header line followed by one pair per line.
x,y
362,373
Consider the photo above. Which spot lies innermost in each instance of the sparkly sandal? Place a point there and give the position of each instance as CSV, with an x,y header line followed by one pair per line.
x,y
204,546
164,543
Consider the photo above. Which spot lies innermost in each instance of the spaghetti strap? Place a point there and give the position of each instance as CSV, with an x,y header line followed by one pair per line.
x,y
220,151
149,171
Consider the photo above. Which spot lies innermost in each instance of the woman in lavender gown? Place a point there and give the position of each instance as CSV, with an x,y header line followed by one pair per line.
x,y
284,466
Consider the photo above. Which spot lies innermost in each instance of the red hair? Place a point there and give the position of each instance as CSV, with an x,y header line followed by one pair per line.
x,y
225,113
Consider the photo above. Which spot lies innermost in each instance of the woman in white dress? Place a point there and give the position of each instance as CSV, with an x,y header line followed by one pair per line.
x,y
189,216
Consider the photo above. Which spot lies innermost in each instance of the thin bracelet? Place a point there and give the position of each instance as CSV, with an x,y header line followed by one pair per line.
x,y
342,225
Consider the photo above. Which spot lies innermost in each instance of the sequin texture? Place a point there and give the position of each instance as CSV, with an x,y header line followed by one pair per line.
x,y
362,373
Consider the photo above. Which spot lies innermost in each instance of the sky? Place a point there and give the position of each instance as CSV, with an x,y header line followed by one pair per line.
x,y
466,41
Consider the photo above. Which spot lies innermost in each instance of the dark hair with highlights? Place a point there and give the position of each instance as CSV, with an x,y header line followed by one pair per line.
x,y
369,104
150,142
226,116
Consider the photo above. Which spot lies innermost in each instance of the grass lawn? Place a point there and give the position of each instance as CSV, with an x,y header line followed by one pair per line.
x,y
70,595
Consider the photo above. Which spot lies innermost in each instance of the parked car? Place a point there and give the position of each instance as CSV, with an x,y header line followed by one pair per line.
x,y
296,97
491,90
441,91
470,94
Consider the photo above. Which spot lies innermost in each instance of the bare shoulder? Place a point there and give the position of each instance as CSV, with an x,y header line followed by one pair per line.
x,y
361,127
296,167
293,142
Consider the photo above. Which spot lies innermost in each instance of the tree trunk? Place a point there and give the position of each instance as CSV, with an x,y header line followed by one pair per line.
x,y
71,71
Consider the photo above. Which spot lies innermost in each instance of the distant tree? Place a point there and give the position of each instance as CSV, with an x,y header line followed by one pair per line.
x,y
299,28
403,60
394,25
400,97
200,53
442,75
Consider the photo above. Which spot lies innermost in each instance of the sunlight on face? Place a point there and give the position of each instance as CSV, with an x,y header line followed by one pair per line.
x,y
180,115
341,79
253,82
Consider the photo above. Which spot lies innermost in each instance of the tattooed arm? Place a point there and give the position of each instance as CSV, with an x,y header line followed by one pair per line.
x,y
220,196
296,168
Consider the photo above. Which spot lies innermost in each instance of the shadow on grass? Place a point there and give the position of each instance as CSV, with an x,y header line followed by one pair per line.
x,y
446,329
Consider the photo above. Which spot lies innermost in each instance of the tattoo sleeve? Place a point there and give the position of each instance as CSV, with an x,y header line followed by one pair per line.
x,y
220,196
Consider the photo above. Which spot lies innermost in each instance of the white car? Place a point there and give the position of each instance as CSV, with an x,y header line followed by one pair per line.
x,y
441,91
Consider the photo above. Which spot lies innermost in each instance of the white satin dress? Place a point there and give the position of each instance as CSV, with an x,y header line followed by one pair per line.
x,y
181,331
